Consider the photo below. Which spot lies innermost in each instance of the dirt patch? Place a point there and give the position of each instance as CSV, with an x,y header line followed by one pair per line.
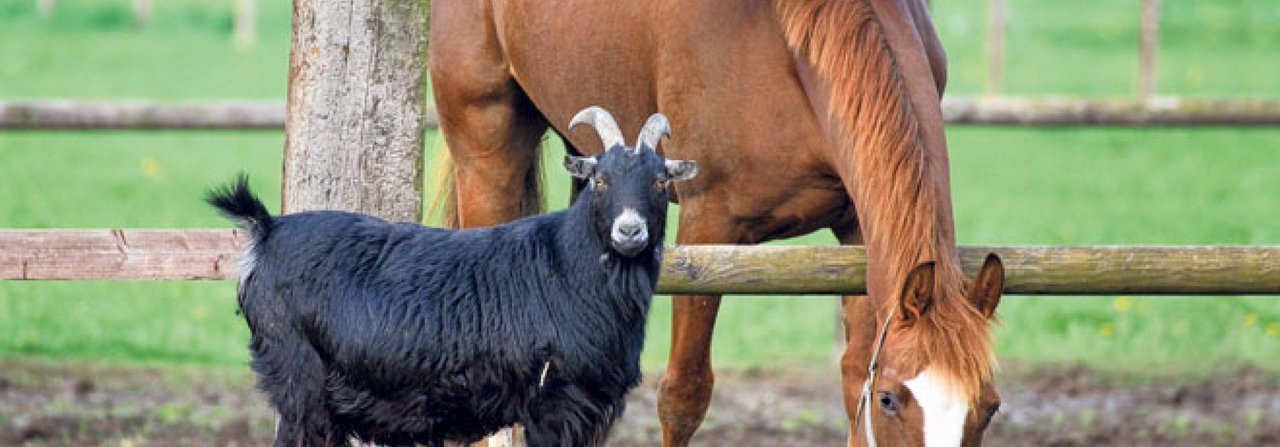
x,y
64,404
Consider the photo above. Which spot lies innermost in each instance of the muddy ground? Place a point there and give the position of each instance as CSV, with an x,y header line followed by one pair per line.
x,y
64,404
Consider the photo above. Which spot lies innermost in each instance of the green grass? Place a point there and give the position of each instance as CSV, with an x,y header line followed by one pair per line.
x,y
1010,186
90,49
1090,47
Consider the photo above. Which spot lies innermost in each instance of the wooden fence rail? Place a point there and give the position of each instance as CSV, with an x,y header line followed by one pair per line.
x,y
771,269
1159,111
238,115
85,115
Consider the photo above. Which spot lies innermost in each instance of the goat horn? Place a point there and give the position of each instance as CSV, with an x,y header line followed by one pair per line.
x,y
652,132
604,124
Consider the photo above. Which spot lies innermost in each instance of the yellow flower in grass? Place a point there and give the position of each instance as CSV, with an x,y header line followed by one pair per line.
x,y
200,313
1250,319
1181,327
151,168
1122,304
1273,329
1107,329
1144,307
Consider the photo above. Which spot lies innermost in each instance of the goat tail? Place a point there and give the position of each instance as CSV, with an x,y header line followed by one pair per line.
x,y
238,203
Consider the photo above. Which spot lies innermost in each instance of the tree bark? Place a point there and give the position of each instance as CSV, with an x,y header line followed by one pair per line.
x,y
355,113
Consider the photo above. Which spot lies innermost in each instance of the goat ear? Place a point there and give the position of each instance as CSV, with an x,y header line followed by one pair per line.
x,y
984,293
917,293
678,170
580,167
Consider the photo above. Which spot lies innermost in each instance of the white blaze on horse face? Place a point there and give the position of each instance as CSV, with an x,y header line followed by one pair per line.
x,y
945,409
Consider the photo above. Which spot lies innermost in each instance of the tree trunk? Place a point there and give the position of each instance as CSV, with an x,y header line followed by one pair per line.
x,y
355,115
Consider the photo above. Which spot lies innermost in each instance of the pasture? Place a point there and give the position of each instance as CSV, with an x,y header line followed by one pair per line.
x,y
1010,186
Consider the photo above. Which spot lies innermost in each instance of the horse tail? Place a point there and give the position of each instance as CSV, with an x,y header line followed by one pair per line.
x,y
444,200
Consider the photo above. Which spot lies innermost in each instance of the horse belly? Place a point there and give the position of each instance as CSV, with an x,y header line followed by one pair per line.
x,y
767,216
566,55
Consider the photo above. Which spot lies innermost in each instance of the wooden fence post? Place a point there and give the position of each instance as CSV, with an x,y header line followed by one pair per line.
x,y
45,8
995,45
141,12
246,26
1147,48
354,120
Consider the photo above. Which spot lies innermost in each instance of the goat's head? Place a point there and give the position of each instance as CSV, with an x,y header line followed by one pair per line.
x,y
628,185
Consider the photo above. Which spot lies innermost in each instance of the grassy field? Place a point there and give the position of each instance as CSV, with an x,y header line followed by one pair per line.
x,y
1011,186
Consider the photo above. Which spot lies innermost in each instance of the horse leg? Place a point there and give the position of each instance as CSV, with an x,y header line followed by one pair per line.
x,y
685,390
858,316
491,127
494,145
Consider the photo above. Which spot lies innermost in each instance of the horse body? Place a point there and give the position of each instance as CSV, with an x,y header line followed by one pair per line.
x,y
804,115
642,60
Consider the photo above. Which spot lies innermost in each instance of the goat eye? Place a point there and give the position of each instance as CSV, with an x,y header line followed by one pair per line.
x,y
889,402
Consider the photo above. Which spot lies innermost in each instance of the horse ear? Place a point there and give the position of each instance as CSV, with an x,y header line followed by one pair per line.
x,y
580,167
678,170
987,286
917,293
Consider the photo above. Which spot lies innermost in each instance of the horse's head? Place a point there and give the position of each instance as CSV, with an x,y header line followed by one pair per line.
x,y
933,386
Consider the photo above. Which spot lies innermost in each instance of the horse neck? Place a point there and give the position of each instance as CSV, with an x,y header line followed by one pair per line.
x,y
878,101
866,69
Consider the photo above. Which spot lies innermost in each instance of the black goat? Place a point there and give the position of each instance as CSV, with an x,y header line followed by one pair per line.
x,y
396,334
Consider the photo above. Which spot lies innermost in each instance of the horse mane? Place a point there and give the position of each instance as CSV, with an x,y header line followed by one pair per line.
x,y
847,47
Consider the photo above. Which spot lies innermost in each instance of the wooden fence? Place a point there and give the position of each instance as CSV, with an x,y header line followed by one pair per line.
x,y
1030,270
1050,111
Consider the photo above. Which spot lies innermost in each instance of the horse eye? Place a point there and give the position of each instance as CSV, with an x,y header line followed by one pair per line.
x,y
660,183
599,183
889,402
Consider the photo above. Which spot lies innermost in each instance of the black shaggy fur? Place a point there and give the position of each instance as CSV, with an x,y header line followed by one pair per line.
x,y
396,333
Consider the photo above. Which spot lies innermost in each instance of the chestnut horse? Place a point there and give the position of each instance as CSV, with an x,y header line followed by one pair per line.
x,y
803,115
